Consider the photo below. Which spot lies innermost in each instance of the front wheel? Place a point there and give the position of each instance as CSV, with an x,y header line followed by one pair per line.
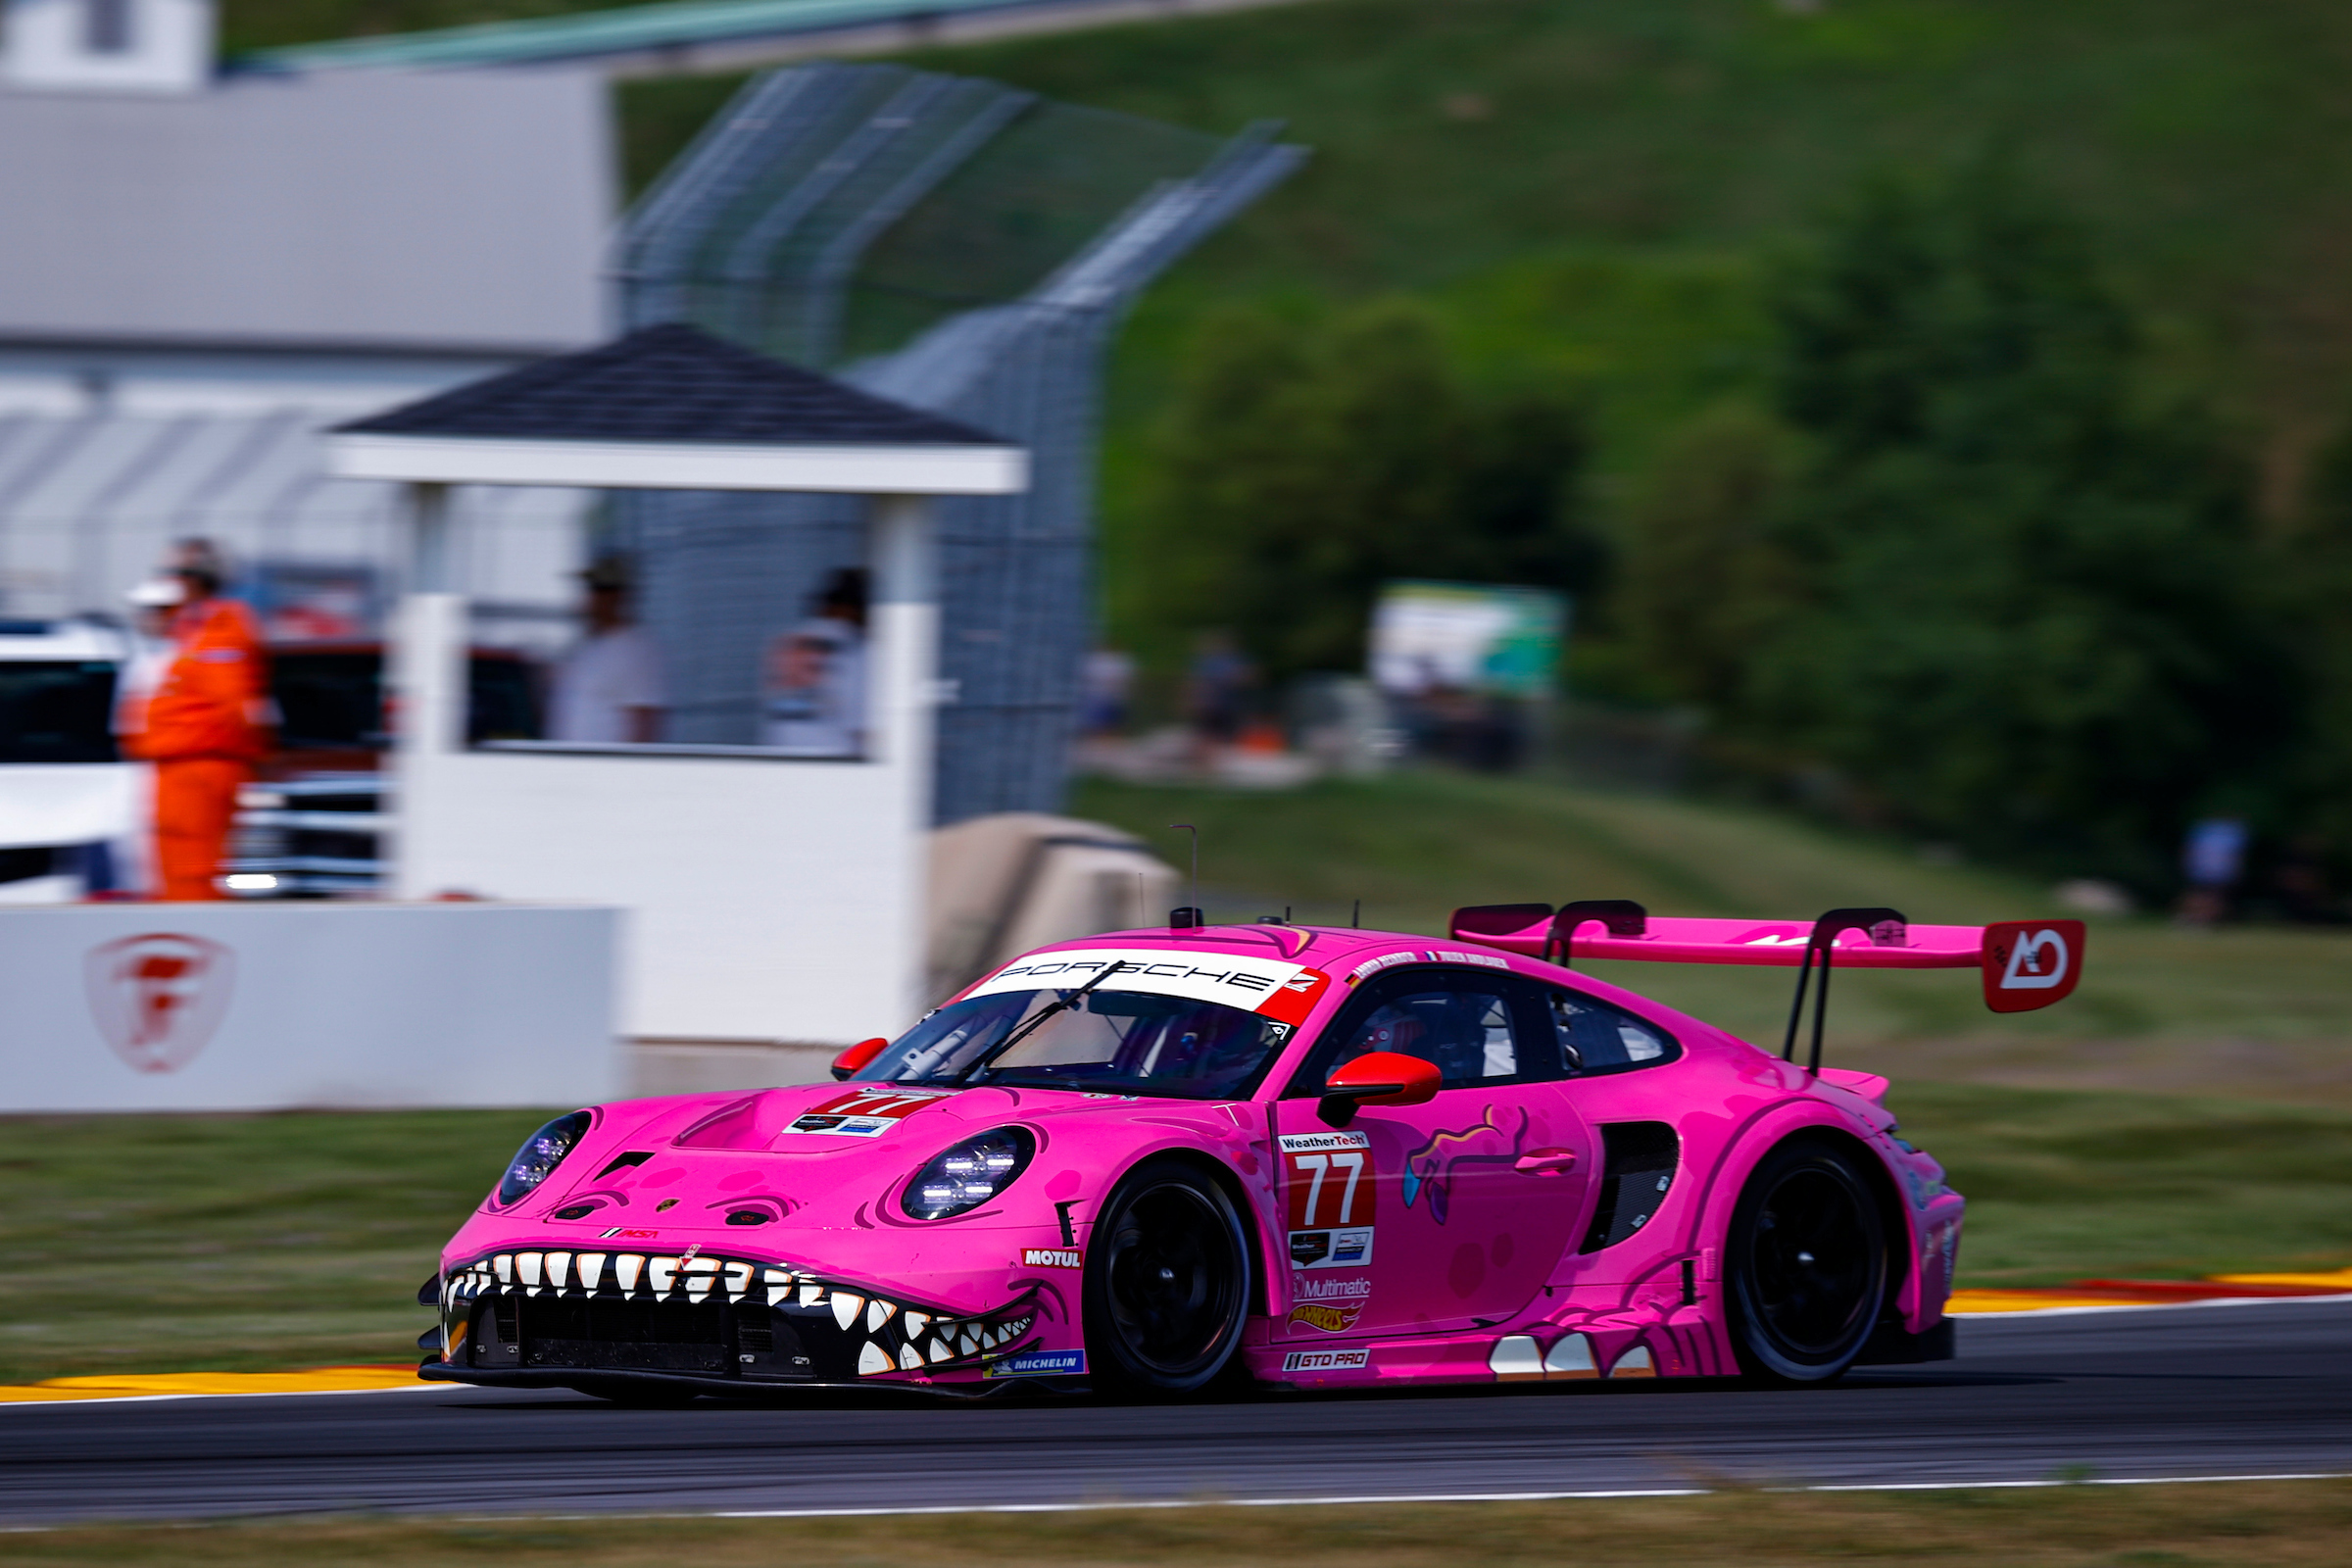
x,y
1167,1283
1806,1264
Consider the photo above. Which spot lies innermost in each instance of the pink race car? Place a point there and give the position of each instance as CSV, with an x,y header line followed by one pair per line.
x,y
1323,1157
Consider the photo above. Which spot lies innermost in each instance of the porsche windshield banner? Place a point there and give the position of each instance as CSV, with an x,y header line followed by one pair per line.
x,y
1282,991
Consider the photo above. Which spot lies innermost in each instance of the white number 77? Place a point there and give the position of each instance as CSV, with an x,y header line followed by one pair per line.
x,y
1353,1164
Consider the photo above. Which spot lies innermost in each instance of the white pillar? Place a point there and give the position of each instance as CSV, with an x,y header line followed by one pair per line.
x,y
902,693
426,671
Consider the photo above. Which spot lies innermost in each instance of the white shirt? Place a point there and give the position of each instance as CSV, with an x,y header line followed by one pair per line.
x,y
824,716
607,674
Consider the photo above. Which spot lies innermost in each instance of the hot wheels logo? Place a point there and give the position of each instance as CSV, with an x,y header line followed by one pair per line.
x,y
1329,1319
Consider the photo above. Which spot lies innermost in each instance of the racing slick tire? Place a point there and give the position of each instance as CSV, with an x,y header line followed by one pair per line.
x,y
1167,1283
1804,1264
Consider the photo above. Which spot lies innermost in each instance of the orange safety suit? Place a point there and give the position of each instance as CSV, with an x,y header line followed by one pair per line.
x,y
204,727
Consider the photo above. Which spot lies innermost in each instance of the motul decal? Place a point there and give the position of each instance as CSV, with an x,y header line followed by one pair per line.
x,y
1052,1257
2030,964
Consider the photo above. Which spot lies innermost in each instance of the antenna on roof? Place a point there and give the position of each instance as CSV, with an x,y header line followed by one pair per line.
x,y
1357,918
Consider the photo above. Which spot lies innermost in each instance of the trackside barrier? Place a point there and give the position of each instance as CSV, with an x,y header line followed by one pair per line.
x,y
264,1006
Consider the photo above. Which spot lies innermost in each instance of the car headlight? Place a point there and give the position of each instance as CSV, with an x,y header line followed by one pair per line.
x,y
540,1153
969,1174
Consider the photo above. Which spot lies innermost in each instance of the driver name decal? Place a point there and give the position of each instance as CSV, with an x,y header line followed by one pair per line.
x,y
867,1113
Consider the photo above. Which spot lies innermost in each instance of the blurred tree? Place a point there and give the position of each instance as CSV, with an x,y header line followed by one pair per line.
x,y
2318,587
2033,618
1306,464
1703,579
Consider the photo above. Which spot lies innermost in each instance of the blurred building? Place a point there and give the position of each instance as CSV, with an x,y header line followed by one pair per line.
x,y
201,272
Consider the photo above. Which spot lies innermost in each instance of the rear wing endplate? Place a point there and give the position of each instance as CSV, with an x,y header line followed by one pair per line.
x,y
2024,964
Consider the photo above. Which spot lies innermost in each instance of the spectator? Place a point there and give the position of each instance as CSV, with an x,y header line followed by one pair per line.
x,y
2211,857
815,704
203,726
609,690
1213,693
130,862
1105,680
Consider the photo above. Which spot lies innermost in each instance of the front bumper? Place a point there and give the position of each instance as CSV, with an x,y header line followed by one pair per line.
x,y
553,1318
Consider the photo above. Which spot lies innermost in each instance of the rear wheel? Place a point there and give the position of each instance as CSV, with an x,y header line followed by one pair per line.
x,y
1167,1283
1806,1264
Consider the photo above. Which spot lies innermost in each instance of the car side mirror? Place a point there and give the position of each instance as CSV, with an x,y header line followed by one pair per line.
x,y
1377,1078
858,1056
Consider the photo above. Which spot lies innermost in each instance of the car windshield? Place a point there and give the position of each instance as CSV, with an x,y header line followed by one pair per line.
x,y
1108,1042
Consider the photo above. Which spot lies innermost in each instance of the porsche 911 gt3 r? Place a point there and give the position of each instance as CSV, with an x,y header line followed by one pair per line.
x,y
1156,1158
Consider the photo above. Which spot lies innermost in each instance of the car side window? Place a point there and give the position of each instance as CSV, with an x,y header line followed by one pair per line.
x,y
1464,1025
1595,1038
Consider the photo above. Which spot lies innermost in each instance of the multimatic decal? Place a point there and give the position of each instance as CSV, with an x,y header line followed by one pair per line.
x,y
1329,1303
1332,1189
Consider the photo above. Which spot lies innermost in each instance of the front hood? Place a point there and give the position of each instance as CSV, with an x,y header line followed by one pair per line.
x,y
830,1156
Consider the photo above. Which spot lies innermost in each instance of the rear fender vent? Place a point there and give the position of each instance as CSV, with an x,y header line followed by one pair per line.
x,y
1637,1171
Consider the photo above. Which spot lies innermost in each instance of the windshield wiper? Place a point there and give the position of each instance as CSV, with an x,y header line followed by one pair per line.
x,y
1060,1005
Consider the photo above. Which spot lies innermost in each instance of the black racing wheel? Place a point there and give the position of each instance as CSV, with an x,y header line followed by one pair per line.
x,y
1167,1283
1805,1263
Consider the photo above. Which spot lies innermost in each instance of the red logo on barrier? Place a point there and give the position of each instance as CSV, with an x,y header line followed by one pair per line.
x,y
157,999
2030,964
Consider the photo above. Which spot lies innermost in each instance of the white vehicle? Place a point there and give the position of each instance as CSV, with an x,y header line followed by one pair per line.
x,y
64,789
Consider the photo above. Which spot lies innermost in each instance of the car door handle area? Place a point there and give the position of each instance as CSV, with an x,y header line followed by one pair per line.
x,y
1545,1162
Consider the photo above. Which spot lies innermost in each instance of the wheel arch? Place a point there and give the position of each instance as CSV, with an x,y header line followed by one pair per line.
x,y
1794,1125
1237,1192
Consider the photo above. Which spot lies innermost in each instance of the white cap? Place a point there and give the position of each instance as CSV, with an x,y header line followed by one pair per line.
x,y
158,593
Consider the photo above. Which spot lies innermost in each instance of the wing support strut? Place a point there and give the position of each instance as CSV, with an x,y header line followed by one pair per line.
x,y
1886,928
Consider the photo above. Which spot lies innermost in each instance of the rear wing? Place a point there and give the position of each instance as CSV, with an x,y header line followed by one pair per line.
x,y
2024,964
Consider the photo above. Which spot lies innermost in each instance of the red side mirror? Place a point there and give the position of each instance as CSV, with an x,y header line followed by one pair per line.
x,y
1377,1078
858,1056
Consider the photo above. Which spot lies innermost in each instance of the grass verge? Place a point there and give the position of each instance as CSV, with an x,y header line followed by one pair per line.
x,y
174,1244
2243,1011
154,1243
2277,1524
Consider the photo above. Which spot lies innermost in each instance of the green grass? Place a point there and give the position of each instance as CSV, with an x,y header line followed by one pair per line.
x,y
166,1244
2271,1524
1414,846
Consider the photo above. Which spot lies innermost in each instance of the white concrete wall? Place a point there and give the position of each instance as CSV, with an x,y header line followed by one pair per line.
x,y
768,899
166,46
231,1006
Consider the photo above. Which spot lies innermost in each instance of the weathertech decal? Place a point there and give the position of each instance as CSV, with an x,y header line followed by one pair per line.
x,y
861,1112
1325,1361
1052,1257
2030,964
1284,992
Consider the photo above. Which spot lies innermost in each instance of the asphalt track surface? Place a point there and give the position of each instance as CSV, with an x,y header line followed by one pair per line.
x,y
2206,1392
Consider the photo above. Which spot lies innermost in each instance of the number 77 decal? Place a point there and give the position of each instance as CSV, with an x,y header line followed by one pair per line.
x,y
1339,1162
